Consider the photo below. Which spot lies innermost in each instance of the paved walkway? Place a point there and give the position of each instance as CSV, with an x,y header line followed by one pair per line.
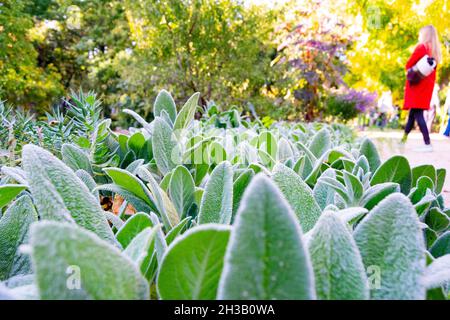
x,y
388,143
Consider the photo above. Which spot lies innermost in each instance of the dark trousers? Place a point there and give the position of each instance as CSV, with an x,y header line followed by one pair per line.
x,y
417,115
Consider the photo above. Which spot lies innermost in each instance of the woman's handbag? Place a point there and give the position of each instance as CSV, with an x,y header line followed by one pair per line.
x,y
423,68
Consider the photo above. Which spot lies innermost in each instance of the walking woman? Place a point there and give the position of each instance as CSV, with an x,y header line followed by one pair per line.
x,y
418,95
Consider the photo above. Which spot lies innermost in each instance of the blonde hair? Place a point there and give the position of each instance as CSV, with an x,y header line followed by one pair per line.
x,y
429,36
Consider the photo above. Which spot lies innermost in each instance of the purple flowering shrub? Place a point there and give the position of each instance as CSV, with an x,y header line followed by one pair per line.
x,y
347,104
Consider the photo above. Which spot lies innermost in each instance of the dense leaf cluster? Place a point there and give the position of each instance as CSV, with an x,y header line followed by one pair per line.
x,y
243,211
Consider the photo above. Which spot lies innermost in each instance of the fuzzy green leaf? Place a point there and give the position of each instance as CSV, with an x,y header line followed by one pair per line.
x,y
73,263
164,146
441,246
181,190
437,220
14,227
323,193
193,263
239,187
130,182
139,248
8,192
390,239
378,192
217,200
132,227
438,273
395,169
75,158
338,268
369,150
321,143
177,230
164,101
187,112
421,171
136,142
440,179
299,196
60,195
266,258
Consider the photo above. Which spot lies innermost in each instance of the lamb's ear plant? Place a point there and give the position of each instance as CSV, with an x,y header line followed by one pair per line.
x,y
217,200
217,208
441,246
164,102
324,193
181,190
320,143
132,227
338,268
192,266
99,270
164,146
75,158
437,274
440,179
266,257
89,181
298,194
14,227
186,114
141,249
8,192
369,150
395,169
391,243
239,187
130,188
15,173
60,195
164,205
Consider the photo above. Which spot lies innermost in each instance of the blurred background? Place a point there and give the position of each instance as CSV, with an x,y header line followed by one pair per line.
x,y
301,60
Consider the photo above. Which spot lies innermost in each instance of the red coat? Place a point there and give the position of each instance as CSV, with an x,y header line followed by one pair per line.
x,y
418,96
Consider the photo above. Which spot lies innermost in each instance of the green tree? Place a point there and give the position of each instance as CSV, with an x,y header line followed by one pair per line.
x,y
81,39
219,48
23,81
389,33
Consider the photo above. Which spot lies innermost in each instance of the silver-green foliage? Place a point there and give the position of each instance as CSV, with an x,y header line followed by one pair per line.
x,y
217,200
266,258
187,112
75,158
165,102
320,143
73,263
395,169
338,268
60,195
14,227
298,194
164,146
8,192
369,150
323,193
192,266
132,227
390,240
181,190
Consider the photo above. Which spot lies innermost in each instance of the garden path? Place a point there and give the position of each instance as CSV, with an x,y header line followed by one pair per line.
x,y
388,143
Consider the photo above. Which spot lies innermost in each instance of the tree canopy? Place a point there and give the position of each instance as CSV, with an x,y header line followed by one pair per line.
x,y
286,60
